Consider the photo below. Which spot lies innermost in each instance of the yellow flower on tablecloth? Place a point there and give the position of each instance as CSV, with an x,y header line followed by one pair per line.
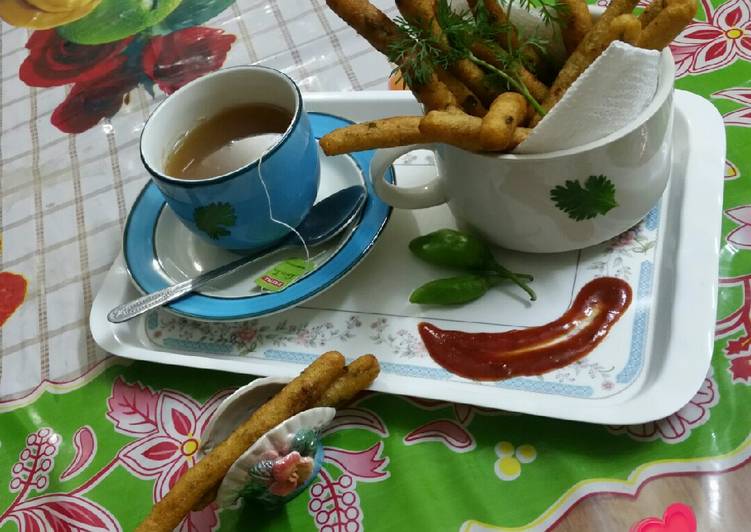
x,y
510,459
44,14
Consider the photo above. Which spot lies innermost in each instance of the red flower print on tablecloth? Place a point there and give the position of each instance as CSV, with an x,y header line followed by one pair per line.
x,y
102,75
453,433
49,511
12,294
169,425
724,38
739,117
84,441
173,60
53,61
740,369
737,349
91,101
677,427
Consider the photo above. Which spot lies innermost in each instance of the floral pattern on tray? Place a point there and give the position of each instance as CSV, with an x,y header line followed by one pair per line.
x,y
297,335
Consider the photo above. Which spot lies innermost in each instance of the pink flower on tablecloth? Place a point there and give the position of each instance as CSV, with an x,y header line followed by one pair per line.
x,y
739,117
454,434
334,503
169,425
720,41
677,427
740,236
740,369
50,511
677,518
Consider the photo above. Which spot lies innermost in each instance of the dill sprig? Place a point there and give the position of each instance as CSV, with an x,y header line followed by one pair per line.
x,y
419,53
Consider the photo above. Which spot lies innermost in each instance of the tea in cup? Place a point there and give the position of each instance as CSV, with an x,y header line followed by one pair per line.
x,y
234,155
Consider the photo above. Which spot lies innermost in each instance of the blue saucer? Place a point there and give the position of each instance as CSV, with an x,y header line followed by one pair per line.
x,y
159,251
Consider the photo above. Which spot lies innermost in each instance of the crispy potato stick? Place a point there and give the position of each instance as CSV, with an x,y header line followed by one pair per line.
x,y
459,129
383,133
589,49
466,99
434,94
651,12
473,76
626,28
666,26
358,375
577,21
208,498
369,21
498,16
536,88
298,395
381,32
422,13
520,135
498,126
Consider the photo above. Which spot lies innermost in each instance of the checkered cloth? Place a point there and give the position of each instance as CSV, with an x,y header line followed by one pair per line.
x,y
65,198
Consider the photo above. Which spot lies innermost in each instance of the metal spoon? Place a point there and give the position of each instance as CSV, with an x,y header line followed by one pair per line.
x,y
325,220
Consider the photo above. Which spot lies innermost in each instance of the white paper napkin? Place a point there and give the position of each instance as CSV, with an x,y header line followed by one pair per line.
x,y
615,88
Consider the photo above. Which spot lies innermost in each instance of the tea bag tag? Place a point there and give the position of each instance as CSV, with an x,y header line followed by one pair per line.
x,y
283,274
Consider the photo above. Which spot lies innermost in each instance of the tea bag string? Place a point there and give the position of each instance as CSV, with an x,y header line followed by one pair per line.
x,y
271,214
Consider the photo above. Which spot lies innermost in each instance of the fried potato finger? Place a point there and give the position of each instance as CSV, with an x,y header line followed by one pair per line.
x,y
465,98
298,395
358,375
589,49
668,23
369,21
504,115
626,28
382,33
536,88
651,12
383,133
576,22
422,13
508,34
519,136
458,129
462,130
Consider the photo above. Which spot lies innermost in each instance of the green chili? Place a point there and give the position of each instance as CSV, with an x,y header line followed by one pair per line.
x,y
454,249
452,290
450,248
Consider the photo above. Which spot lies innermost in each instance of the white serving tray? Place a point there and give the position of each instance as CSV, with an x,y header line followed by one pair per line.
x,y
649,366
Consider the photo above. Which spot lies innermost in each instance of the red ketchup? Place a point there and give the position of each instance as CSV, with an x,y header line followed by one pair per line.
x,y
495,356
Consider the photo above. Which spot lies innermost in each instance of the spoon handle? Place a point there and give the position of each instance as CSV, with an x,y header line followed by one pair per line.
x,y
134,308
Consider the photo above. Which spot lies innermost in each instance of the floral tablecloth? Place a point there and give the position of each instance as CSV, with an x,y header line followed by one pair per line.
x,y
89,441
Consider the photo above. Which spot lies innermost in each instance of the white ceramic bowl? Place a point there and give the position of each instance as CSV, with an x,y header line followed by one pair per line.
x,y
507,198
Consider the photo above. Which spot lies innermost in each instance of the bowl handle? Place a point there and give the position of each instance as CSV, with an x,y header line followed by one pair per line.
x,y
420,197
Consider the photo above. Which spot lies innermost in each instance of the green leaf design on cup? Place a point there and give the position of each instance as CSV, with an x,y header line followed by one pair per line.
x,y
215,218
596,197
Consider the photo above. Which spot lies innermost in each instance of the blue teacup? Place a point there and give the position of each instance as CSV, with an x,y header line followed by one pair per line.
x,y
234,210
